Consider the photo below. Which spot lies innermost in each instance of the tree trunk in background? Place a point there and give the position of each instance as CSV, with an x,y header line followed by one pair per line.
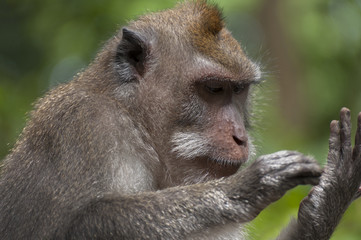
x,y
291,102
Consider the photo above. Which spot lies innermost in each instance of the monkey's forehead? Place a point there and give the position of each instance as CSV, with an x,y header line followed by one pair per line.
x,y
199,24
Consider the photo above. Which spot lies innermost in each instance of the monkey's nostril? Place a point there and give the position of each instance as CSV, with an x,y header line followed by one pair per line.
x,y
240,142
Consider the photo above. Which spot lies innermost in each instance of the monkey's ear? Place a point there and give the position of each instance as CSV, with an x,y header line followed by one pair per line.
x,y
131,55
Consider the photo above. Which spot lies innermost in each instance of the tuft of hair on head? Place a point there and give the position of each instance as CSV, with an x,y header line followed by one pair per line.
x,y
205,27
211,17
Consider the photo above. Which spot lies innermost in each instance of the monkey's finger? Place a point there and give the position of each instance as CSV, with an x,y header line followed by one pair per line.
x,y
345,133
303,171
304,180
356,155
334,142
309,181
300,180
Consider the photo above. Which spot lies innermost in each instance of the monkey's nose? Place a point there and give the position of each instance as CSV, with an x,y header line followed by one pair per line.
x,y
240,140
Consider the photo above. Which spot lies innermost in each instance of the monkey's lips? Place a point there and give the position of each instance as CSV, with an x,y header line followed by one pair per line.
x,y
232,157
220,167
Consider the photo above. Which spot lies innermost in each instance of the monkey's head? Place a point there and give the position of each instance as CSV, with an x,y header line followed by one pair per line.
x,y
186,81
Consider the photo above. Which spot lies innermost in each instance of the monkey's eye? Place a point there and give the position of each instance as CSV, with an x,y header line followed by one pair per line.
x,y
214,87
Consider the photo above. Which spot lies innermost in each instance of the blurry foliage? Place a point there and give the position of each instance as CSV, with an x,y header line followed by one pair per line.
x,y
44,43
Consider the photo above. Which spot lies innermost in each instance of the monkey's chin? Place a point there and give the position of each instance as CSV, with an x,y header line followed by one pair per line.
x,y
227,162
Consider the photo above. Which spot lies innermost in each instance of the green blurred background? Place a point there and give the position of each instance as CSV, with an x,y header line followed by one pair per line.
x,y
310,50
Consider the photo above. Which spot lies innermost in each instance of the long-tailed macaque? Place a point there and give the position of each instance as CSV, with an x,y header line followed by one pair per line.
x,y
148,141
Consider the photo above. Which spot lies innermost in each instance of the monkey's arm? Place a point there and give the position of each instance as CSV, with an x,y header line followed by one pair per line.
x,y
176,213
323,208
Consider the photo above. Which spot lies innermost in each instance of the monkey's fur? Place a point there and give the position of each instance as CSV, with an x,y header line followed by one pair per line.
x,y
147,141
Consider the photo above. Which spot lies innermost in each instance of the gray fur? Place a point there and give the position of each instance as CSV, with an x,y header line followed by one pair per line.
x,y
131,149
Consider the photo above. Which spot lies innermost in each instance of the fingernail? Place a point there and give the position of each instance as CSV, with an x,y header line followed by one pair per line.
x,y
348,113
345,110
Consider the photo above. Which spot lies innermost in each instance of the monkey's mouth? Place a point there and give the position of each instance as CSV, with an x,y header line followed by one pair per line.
x,y
219,167
228,157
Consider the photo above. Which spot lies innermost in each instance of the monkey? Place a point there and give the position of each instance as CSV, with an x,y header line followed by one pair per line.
x,y
151,142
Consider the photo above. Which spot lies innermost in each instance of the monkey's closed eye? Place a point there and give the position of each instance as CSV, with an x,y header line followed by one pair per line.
x,y
214,87
214,90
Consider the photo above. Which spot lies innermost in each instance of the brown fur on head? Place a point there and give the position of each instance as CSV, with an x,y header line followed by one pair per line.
x,y
207,32
210,19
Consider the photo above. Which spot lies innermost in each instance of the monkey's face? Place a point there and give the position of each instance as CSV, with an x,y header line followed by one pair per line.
x,y
209,137
193,81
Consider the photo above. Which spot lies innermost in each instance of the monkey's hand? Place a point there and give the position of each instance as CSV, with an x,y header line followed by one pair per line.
x,y
322,209
269,178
